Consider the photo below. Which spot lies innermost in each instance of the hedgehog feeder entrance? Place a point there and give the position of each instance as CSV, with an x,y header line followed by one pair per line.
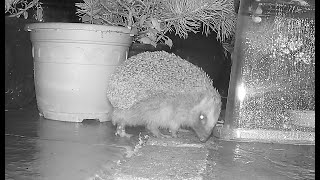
x,y
272,85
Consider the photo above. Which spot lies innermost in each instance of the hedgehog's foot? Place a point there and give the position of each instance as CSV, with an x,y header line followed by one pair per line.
x,y
174,129
156,132
165,136
183,130
122,132
174,133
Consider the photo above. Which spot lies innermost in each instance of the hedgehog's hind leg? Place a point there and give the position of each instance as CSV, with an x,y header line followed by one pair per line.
x,y
121,131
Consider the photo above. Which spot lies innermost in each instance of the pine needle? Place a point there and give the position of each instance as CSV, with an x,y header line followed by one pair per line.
x,y
179,16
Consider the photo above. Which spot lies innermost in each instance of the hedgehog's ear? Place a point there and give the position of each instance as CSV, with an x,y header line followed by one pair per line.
x,y
204,100
207,100
198,105
202,103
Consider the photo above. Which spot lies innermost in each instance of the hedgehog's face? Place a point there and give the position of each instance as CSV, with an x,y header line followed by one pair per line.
x,y
206,114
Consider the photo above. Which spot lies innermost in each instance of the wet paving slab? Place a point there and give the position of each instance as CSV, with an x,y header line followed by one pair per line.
x,y
184,158
37,148
165,159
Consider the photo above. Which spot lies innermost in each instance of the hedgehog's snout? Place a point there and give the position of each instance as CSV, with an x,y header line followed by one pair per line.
x,y
202,133
205,136
204,139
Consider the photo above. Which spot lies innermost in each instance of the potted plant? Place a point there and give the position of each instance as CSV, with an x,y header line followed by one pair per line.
x,y
151,20
17,8
72,61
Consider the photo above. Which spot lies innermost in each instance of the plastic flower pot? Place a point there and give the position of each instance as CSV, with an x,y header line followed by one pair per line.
x,y
72,64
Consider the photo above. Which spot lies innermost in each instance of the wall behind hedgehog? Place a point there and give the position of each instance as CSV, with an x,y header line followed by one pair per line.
x,y
207,53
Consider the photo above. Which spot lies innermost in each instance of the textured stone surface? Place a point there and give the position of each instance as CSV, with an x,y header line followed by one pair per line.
x,y
165,162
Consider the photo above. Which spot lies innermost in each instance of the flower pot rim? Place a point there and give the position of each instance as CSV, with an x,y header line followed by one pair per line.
x,y
76,26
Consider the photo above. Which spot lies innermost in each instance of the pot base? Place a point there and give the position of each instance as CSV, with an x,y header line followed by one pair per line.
x,y
75,117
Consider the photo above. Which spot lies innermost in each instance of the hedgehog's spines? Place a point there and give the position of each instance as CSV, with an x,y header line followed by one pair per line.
x,y
149,73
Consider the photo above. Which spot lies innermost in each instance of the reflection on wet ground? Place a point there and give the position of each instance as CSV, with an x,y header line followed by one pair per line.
x,y
261,161
36,148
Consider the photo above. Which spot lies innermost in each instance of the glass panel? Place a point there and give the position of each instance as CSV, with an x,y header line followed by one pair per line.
x,y
272,86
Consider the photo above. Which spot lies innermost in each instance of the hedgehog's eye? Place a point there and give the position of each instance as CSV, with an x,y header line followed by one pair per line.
x,y
202,118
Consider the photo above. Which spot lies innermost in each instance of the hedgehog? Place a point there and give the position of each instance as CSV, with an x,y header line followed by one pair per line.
x,y
198,111
161,90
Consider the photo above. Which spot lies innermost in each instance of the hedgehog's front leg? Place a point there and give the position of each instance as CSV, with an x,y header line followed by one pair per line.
x,y
156,132
121,131
173,133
